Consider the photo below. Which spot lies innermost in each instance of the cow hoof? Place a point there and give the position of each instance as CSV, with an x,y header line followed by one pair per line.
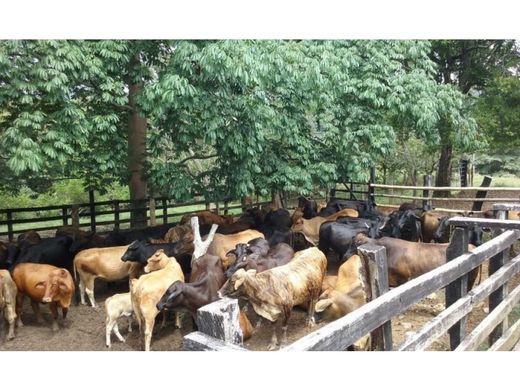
x,y
55,327
10,337
271,347
19,324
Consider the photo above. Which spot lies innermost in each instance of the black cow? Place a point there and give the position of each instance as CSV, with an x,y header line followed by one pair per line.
x,y
308,206
405,225
3,255
442,234
339,235
140,251
54,251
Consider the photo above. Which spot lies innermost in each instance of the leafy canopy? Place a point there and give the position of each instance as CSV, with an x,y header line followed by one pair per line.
x,y
226,118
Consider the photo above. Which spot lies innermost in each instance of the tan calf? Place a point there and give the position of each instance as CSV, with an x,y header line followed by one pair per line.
x,y
90,264
117,306
8,292
147,291
311,227
222,244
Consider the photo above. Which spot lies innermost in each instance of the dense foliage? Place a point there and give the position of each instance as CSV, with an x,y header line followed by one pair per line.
x,y
224,118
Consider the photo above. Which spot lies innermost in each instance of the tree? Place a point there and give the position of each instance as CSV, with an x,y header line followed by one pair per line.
x,y
221,118
70,110
469,65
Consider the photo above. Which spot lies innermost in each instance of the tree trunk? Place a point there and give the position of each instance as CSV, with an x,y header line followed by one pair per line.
x,y
276,200
136,153
443,178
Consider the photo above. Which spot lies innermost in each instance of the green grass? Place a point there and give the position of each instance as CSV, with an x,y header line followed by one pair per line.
x,y
509,181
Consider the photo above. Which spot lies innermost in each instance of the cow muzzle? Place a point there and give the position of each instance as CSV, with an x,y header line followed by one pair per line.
x,y
46,299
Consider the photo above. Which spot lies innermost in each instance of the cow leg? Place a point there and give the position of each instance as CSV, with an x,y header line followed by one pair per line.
x,y
164,316
274,340
36,308
10,316
149,322
130,324
310,313
19,304
178,321
108,331
89,289
118,335
285,320
54,312
82,291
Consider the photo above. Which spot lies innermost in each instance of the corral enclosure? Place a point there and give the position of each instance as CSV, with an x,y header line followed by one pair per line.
x,y
84,328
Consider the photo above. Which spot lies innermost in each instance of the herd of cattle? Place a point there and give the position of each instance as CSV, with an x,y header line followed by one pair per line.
x,y
270,259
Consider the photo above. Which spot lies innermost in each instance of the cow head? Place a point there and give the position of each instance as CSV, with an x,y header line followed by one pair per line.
x,y
234,286
132,250
156,262
55,285
333,305
240,252
13,251
172,297
409,226
442,233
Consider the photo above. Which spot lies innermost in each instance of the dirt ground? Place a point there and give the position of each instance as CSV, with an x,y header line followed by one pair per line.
x,y
84,328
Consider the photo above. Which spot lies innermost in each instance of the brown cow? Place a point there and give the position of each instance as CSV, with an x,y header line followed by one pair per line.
x,y
43,283
430,221
273,293
222,244
347,294
311,227
408,260
207,217
105,263
8,292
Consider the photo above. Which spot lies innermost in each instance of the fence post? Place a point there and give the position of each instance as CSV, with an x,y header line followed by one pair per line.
x,y
226,211
332,192
64,216
481,194
218,320
92,210
153,219
495,263
374,258
165,210
427,203
351,189
207,205
10,224
372,190
74,216
458,288
116,215
217,210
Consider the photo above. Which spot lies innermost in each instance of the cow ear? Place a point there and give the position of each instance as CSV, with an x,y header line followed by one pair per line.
x,y
238,283
251,272
63,273
322,305
232,252
39,285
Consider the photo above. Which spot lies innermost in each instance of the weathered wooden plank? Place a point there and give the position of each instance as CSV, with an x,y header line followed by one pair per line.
x,y
479,334
443,188
498,296
198,341
421,339
374,258
342,333
508,340
484,222
459,287
481,194
220,319
507,206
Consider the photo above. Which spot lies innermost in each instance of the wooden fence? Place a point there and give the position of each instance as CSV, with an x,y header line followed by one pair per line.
x,y
375,316
87,214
